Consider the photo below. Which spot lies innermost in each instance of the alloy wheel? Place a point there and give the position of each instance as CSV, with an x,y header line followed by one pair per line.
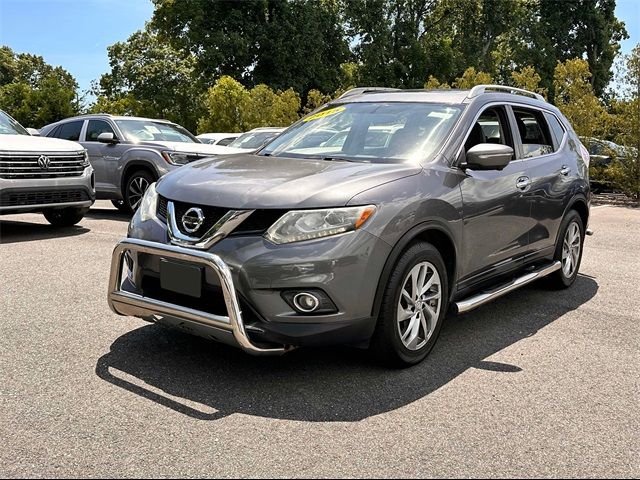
x,y
571,247
419,306
137,187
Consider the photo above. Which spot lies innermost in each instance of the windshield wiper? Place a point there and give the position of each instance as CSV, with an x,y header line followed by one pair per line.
x,y
338,159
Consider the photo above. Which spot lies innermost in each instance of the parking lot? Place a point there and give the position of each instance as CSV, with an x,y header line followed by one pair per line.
x,y
538,383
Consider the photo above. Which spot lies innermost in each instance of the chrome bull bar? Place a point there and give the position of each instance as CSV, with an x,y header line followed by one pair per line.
x,y
132,304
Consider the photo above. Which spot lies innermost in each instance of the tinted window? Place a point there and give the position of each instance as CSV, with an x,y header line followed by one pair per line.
x,y
534,133
226,141
556,129
69,131
95,128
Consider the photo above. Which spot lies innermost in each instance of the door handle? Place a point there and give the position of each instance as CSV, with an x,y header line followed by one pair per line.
x,y
523,183
565,170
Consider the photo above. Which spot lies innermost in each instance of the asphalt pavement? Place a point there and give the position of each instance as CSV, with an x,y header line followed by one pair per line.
x,y
538,383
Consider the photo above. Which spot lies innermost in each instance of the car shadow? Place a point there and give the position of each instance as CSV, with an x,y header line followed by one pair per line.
x,y
108,214
16,232
208,381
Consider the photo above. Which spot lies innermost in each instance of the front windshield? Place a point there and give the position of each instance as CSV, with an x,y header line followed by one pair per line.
x,y
151,131
368,132
253,140
8,126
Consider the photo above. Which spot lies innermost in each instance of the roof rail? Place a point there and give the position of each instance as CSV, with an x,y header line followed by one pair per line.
x,y
480,89
363,90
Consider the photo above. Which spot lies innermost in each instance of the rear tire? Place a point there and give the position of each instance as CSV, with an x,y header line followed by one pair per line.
x,y
120,205
568,251
134,189
413,308
65,217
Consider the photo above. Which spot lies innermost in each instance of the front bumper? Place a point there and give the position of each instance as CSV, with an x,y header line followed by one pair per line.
x,y
228,329
23,195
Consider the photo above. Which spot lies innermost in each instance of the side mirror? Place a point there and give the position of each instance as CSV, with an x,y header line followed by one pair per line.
x,y
33,132
107,137
489,156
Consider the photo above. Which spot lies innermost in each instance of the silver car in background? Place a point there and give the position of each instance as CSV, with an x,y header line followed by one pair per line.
x,y
129,153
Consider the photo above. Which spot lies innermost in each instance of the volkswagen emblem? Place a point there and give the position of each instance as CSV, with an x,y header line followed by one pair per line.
x,y
44,162
193,220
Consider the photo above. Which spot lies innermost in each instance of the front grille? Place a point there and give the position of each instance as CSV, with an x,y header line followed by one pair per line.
x,y
26,166
257,223
22,199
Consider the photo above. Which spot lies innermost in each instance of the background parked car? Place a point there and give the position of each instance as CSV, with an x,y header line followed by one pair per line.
x,y
254,139
222,139
44,175
129,154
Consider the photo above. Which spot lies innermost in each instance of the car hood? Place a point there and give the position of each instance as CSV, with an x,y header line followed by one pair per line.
x,y
37,145
252,181
201,148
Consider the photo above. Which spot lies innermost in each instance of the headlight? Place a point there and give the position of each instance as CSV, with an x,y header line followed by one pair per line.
x,y
299,225
149,204
181,158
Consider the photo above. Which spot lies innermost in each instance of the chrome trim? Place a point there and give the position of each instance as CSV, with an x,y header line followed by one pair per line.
x,y
220,230
475,301
131,304
296,302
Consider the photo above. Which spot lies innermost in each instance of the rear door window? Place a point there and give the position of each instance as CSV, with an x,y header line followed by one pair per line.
x,y
69,131
534,133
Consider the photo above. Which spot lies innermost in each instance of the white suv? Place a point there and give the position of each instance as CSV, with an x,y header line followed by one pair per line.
x,y
43,175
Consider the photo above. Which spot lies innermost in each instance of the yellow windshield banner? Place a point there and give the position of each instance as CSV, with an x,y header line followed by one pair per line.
x,y
325,113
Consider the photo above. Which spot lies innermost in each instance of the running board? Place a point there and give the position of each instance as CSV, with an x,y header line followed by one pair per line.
x,y
470,303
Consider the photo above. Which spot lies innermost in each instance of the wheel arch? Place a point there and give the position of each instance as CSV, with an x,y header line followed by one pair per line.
x,y
134,166
432,232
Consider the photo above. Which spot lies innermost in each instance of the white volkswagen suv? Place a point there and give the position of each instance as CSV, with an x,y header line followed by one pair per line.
x,y
43,175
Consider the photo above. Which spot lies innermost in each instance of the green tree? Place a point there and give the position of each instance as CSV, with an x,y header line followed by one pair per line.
x,y
150,78
230,107
528,79
34,92
283,44
470,78
574,96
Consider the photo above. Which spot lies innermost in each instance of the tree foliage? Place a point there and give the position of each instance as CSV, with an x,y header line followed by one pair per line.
x,y
284,44
34,92
149,78
230,107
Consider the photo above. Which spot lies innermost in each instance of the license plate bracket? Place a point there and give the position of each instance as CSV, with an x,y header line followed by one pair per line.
x,y
181,278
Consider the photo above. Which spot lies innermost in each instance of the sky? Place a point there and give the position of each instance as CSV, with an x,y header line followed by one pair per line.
x,y
76,33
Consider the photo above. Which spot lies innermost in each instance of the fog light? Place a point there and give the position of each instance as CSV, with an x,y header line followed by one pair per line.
x,y
306,302
312,301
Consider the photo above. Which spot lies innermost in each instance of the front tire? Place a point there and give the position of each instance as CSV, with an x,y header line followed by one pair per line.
x,y
135,188
568,251
65,217
413,307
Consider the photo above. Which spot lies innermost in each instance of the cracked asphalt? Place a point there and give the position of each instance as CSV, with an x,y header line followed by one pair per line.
x,y
539,383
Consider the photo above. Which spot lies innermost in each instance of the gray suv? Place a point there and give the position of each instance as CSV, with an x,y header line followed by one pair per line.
x,y
365,241
128,153
43,175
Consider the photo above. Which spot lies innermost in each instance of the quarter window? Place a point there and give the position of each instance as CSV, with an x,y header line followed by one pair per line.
x,y
97,127
534,133
69,131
